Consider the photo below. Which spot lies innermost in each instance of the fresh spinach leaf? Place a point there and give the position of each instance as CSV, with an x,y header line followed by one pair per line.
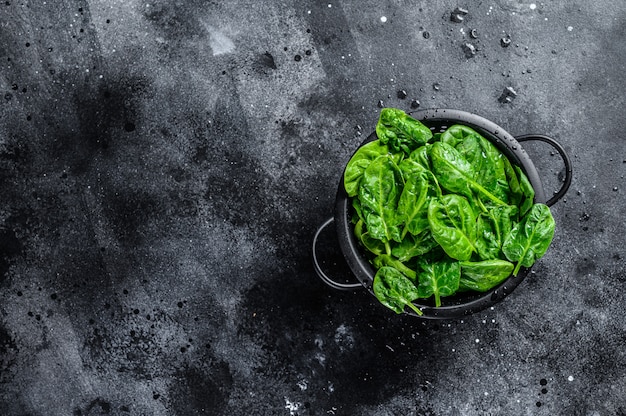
x,y
413,203
379,192
387,260
527,190
416,165
438,278
492,227
455,173
412,246
357,211
394,290
487,162
456,134
359,162
453,225
515,190
373,245
400,131
529,240
421,156
484,275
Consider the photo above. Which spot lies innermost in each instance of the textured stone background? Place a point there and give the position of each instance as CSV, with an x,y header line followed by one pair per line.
x,y
165,164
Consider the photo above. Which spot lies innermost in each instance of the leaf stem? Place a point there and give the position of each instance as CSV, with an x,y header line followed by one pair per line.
x,y
489,194
415,308
517,268
404,231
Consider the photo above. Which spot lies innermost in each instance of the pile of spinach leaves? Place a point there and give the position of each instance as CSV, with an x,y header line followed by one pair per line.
x,y
441,213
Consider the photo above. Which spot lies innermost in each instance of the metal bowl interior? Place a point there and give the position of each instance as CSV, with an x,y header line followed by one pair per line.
x,y
462,304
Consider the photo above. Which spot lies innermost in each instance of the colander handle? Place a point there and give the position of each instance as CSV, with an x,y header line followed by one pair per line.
x,y
566,160
318,269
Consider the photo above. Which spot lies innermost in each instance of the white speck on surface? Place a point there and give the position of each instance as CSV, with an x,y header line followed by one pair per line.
x,y
219,42
330,5
383,19
477,340
292,406
570,378
320,358
570,28
319,342
344,338
303,384
532,6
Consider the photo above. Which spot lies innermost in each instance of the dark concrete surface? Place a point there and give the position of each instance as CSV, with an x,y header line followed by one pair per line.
x,y
165,164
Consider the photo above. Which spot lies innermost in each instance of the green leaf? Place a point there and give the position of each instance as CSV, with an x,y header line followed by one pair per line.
x,y
394,290
492,227
484,275
527,190
529,240
487,162
358,212
456,134
413,246
387,260
455,173
439,279
515,190
421,156
379,192
413,203
373,245
453,225
359,162
400,131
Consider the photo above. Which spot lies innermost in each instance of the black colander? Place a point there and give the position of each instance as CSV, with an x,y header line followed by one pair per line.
x,y
465,303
